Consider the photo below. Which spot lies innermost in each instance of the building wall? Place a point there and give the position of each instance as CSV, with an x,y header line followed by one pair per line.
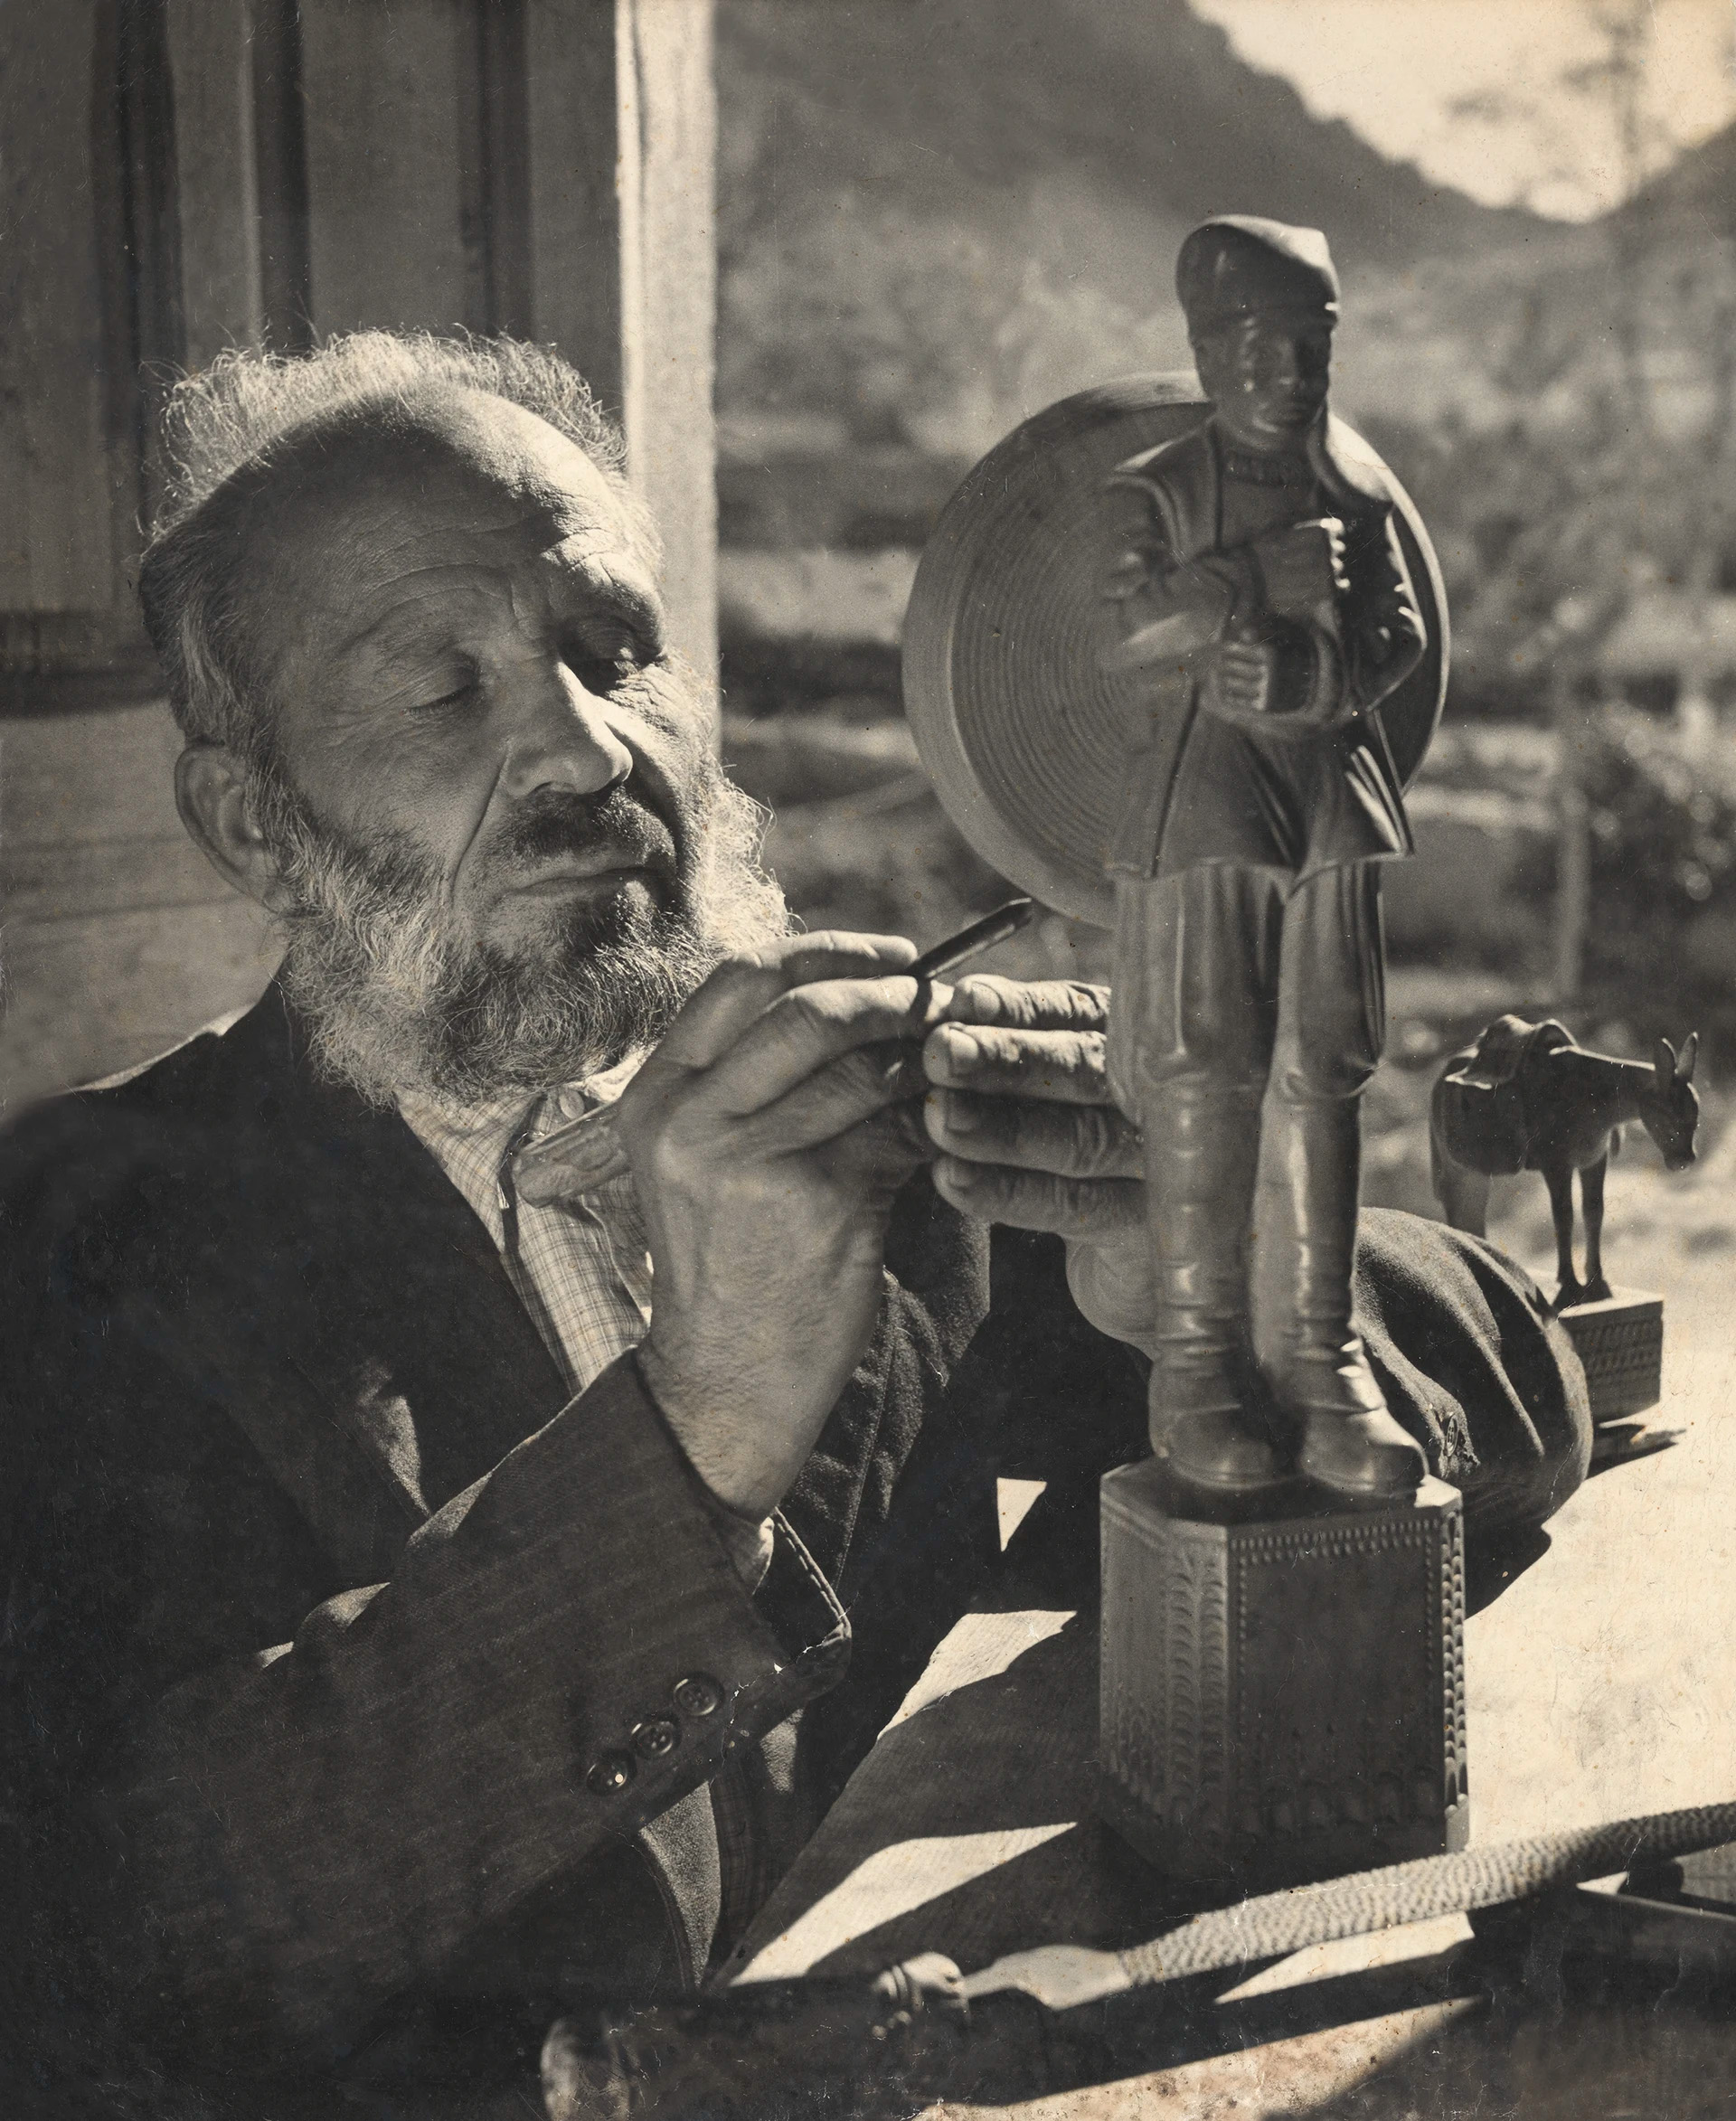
x,y
63,475
277,167
120,939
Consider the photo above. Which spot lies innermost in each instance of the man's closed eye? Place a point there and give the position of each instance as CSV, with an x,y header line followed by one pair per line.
x,y
602,665
458,691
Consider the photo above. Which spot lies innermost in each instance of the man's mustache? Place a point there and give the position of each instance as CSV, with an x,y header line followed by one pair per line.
x,y
555,821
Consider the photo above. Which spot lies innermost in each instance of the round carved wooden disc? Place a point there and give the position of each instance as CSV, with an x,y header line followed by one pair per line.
x,y
1021,734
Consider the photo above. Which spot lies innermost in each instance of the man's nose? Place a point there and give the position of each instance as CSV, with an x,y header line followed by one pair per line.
x,y
564,737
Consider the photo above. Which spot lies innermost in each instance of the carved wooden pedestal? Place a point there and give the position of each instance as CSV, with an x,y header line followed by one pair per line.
x,y
1282,1699
1620,1341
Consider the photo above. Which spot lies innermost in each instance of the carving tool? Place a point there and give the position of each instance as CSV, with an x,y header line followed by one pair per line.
x,y
970,942
585,1153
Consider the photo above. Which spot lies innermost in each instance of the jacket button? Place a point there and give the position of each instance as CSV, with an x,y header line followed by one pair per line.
x,y
610,1773
698,1695
656,1736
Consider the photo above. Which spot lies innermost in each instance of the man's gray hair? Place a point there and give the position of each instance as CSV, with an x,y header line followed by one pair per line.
x,y
225,432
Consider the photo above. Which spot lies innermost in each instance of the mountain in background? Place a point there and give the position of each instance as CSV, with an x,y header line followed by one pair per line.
x,y
937,215
1697,194
942,104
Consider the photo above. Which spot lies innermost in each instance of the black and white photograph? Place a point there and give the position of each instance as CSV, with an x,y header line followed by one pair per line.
x,y
868,1060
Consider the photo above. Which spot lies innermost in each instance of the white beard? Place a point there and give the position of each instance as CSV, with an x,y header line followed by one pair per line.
x,y
398,1002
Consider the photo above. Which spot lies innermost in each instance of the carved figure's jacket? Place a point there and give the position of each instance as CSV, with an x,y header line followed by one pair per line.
x,y
1202,789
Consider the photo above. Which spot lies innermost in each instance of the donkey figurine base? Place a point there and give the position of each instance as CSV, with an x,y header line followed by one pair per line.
x,y
1527,1097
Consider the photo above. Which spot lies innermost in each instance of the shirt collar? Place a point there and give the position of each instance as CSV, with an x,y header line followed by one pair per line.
x,y
503,1124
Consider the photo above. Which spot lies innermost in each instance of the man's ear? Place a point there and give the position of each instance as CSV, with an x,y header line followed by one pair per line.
x,y
211,794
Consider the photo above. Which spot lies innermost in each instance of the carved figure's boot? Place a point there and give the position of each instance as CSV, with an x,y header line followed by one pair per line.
x,y
1202,1155
1350,1440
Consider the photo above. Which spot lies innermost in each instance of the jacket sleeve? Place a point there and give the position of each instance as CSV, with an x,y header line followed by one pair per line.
x,y
1384,634
266,1839
1159,610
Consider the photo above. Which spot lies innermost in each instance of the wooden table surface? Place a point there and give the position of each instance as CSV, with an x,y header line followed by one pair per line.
x,y
1601,1682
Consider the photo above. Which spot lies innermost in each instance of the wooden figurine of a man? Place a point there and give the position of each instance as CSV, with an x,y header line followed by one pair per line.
x,y
1264,605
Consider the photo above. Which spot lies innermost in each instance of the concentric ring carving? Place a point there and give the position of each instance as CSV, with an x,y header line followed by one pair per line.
x,y
1025,739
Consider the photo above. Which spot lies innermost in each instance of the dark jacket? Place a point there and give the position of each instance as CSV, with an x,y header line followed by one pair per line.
x,y
333,1626
330,1620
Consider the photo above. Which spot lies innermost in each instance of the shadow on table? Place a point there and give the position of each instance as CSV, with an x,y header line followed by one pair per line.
x,y
1461,2051
1015,2052
969,1830
1081,1887
1656,2056
1491,1566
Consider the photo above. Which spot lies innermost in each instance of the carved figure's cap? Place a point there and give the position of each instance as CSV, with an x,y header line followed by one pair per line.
x,y
1236,265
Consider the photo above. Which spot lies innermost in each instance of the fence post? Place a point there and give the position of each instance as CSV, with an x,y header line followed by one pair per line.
x,y
1572,839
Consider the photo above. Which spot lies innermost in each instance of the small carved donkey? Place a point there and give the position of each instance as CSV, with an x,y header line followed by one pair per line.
x,y
1526,1097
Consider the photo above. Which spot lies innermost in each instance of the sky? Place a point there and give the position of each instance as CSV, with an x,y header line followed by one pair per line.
x,y
1395,69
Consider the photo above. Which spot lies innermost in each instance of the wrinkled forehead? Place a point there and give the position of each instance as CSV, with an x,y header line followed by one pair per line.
x,y
447,486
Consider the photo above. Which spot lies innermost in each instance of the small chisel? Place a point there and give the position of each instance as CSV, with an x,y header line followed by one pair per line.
x,y
586,1149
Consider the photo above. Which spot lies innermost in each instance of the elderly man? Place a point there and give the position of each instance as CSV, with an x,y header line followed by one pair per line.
x,y
426,1595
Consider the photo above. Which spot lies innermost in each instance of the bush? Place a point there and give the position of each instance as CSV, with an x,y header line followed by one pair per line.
x,y
1663,819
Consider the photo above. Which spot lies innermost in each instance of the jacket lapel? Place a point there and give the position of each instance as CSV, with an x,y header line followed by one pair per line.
x,y
1351,477
379,1286
1186,488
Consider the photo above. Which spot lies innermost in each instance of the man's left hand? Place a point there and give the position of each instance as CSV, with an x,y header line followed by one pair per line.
x,y
1029,1134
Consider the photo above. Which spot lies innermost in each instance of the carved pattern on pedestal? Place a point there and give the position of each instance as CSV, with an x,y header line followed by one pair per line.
x,y
1296,1784
1166,1673
1249,1715
1620,1342
1197,1690
1450,1658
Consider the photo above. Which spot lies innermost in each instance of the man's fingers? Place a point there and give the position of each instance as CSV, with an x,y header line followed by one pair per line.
x,y
878,1154
831,1100
830,953
1030,1005
1075,1141
811,1025
1061,1067
1031,1199
743,988
1244,675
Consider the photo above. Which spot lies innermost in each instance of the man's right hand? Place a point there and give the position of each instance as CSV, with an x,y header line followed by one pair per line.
x,y
767,1145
